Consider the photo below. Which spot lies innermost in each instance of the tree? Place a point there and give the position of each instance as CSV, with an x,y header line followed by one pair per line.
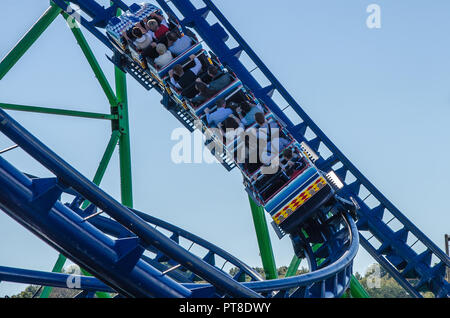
x,y
379,284
33,291
281,271
29,292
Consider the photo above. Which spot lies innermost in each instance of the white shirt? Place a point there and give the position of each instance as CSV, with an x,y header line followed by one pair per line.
x,y
143,42
164,59
195,69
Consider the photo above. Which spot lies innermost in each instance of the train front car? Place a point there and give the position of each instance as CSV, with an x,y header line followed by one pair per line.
x,y
298,200
308,203
120,31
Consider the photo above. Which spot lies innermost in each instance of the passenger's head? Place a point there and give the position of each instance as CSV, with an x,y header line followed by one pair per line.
x,y
178,70
161,49
245,107
287,154
213,71
260,119
172,36
229,124
153,25
204,90
137,32
221,103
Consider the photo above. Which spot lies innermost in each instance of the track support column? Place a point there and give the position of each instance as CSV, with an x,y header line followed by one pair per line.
x,y
264,243
90,57
126,182
356,289
59,265
293,267
28,39
124,139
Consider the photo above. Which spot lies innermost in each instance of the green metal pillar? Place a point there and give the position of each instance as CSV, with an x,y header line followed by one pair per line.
x,y
57,111
106,157
90,57
357,290
105,161
126,186
264,243
293,267
28,39
56,269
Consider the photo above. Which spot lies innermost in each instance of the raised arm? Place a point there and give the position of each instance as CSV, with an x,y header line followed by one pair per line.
x,y
159,18
198,65
172,80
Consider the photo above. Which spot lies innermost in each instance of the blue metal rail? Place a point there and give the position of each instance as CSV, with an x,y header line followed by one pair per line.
x,y
85,237
330,281
58,280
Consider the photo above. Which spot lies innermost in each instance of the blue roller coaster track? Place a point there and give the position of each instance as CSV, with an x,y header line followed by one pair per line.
x,y
128,254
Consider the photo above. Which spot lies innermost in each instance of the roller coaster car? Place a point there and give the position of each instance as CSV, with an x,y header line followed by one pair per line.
x,y
215,137
289,211
181,96
234,86
293,193
137,14
117,26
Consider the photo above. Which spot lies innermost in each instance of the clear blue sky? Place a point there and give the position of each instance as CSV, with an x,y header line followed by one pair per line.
x,y
382,96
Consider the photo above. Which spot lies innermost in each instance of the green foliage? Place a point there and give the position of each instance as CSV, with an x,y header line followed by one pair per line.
x,y
387,286
31,290
28,292
281,271
379,284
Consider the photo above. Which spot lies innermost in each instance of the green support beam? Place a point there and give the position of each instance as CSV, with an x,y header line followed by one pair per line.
x,y
105,161
356,289
264,243
126,182
28,39
106,157
57,111
293,267
59,265
99,74
126,185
